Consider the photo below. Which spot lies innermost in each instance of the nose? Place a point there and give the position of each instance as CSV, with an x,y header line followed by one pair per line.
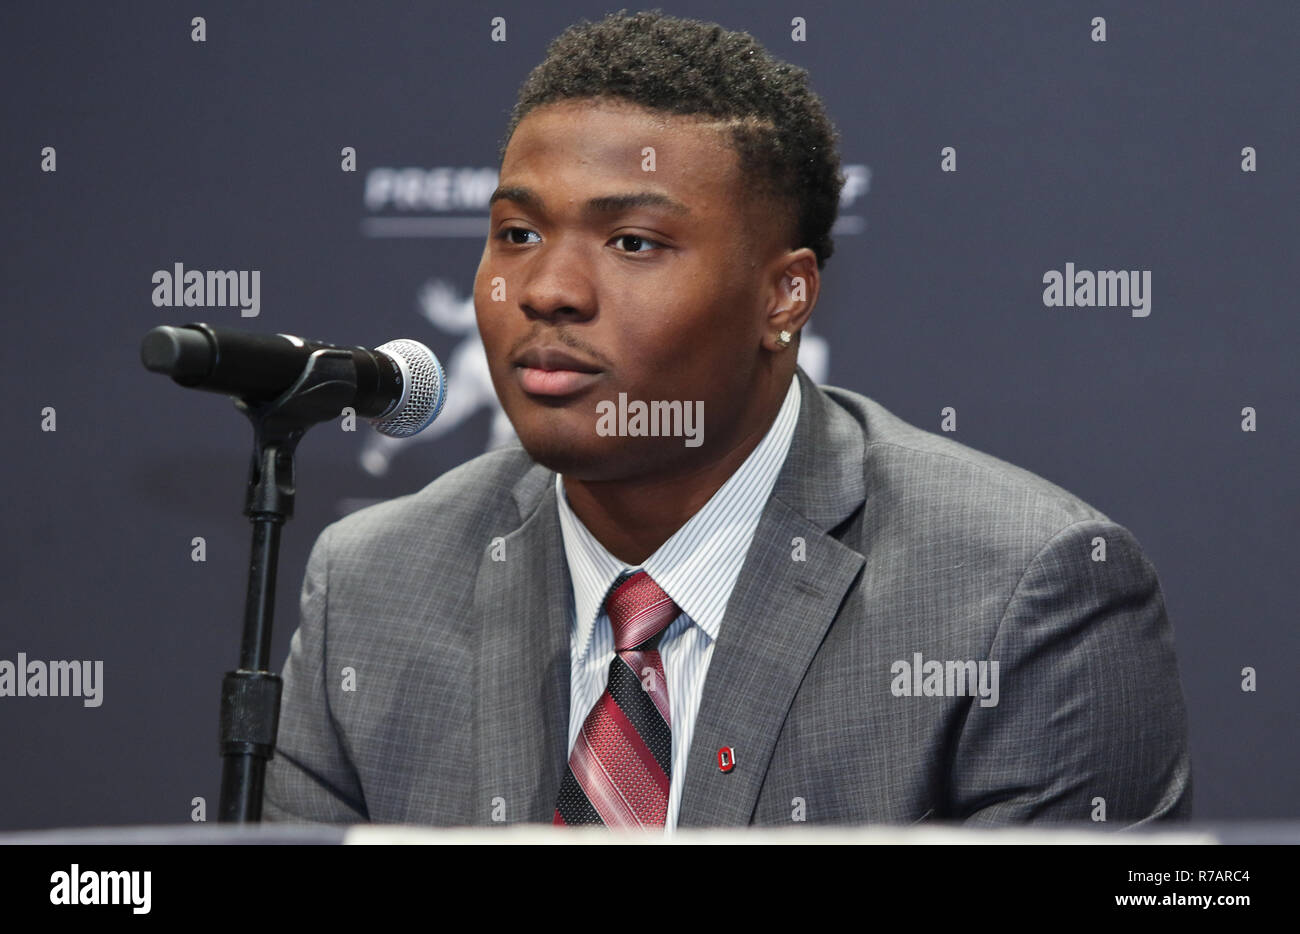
x,y
556,282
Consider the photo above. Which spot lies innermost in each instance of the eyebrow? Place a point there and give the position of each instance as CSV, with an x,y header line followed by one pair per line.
x,y
606,204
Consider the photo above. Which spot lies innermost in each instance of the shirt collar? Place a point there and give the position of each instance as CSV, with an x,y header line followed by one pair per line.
x,y
698,565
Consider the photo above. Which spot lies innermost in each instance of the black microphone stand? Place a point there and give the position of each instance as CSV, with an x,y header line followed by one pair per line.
x,y
250,695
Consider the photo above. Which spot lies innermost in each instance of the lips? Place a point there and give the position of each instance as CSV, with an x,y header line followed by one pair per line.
x,y
553,371
553,357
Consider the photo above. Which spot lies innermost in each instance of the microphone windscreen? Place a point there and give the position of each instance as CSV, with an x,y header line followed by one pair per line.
x,y
424,389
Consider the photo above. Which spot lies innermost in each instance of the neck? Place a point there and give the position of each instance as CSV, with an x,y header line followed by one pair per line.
x,y
632,518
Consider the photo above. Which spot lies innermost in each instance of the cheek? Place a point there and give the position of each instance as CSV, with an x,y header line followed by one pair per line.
x,y
483,285
486,328
483,273
706,321
489,315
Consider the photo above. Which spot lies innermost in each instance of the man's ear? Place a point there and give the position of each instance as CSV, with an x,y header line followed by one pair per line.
x,y
796,285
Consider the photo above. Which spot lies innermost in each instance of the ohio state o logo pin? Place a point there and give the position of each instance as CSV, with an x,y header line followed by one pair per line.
x,y
726,759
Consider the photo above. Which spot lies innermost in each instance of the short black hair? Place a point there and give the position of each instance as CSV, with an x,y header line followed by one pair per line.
x,y
786,142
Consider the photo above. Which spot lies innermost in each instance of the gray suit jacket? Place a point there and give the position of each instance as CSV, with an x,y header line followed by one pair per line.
x,y
880,541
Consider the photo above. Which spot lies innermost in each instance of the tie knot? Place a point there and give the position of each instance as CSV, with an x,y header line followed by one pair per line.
x,y
639,610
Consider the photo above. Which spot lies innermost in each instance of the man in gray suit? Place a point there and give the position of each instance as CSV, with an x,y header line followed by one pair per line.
x,y
703,590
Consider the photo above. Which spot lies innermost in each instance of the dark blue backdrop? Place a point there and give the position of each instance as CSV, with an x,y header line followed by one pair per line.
x,y
1122,154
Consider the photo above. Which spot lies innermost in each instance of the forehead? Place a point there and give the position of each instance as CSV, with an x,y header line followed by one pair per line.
x,y
581,146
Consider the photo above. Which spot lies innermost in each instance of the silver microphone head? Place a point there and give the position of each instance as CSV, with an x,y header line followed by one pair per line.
x,y
424,389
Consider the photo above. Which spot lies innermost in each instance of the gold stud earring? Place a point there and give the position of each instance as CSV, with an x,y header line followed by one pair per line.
x,y
783,339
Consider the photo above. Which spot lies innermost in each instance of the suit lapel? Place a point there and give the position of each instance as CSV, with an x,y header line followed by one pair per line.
x,y
522,695
778,613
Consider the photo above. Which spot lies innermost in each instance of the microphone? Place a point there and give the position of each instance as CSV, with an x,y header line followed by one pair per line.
x,y
401,385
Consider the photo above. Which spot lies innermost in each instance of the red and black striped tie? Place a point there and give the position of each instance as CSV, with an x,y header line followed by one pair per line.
x,y
621,761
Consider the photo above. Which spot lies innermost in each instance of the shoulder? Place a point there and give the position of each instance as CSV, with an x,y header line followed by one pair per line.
x,y
931,495
463,507
904,459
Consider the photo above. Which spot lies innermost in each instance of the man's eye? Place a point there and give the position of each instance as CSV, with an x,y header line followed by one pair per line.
x,y
637,241
506,234
633,244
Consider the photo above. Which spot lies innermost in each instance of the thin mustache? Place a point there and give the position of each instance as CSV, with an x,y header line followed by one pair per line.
x,y
559,337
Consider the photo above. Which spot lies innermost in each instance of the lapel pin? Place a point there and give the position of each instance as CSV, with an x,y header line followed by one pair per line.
x,y
726,759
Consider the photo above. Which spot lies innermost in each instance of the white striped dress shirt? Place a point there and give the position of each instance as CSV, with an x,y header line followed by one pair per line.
x,y
697,567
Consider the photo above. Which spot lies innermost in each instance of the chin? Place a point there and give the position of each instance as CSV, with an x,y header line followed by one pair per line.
x,y
573,462
581,457
565,452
